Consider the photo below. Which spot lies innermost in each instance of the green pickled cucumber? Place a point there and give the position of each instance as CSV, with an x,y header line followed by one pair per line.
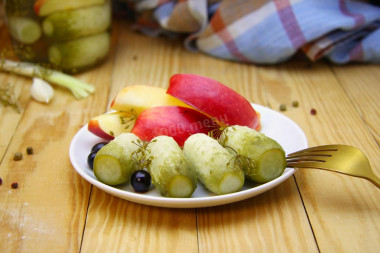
x,y
75,23
24,30
113,163
171,172
214,165
80,53
47,7
269,160
128,142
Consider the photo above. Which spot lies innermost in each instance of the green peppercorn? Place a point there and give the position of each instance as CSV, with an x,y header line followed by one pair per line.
x,y
282,107
295,103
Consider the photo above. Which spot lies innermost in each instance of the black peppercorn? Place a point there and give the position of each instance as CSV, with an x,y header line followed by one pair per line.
x,y
29,150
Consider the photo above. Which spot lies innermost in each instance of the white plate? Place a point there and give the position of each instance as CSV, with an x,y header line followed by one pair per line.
x,y
274,125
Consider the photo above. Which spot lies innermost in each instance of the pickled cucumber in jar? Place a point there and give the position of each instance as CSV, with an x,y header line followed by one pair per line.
x,y
69,35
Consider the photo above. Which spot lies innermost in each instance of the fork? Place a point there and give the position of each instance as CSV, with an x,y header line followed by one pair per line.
x,y
343,159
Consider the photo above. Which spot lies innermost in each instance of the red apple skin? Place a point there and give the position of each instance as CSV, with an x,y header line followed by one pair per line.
x,y
94,127
214,99
175,121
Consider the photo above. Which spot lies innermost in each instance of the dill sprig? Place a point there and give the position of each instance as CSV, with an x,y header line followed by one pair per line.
x,y
216,132
245,163
141,157
8,98
218,127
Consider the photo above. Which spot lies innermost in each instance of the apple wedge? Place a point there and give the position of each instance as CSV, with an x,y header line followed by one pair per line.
x,y
141,97
110,125
175,121
214,99
46,7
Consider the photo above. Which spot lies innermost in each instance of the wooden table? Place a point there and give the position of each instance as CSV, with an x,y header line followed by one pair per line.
x,y
56,210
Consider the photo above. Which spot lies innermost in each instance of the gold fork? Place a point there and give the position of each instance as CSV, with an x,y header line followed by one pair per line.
x,y
343,159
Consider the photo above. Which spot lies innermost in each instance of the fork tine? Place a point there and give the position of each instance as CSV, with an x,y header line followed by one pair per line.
x,y
305,164
307,159
322,147
326,149
321,154
342,159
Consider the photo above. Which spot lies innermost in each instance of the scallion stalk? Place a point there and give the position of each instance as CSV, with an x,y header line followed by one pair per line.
x,y
79,88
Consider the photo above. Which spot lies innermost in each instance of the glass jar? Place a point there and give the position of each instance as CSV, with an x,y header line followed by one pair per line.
x,y
70,35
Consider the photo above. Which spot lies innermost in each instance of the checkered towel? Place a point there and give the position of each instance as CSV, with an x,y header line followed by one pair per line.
x,y
268,31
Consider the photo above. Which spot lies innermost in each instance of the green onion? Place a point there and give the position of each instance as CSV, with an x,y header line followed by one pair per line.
x,y
79,88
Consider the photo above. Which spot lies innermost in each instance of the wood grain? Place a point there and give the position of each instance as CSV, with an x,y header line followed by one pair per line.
x,y
55,210
47,212
272,222
361,85
9,119
125,226
136,63
122,226
334,203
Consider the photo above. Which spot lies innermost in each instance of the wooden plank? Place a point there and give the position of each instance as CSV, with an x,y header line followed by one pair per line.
x,y
125,226
335,203
143,60
272,222
47,212
9,116
361,84
51,209
115,225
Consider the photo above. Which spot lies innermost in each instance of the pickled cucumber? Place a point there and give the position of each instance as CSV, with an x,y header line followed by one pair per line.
x,y
72,24
113,163
79,53
45,8
268,157
24,30
214,165
171,172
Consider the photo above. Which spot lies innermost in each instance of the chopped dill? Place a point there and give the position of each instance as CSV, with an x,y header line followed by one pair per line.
x,y
8,98
140,157
245,163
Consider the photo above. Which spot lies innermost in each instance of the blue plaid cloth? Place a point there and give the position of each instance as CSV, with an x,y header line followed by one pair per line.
x,y
268,31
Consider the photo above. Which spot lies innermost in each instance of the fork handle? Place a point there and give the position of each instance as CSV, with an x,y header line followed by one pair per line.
x,y
371,178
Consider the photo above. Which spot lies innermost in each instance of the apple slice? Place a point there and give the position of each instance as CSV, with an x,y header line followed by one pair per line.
x,y
213,98
175,121
46,7
141,97
112,124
